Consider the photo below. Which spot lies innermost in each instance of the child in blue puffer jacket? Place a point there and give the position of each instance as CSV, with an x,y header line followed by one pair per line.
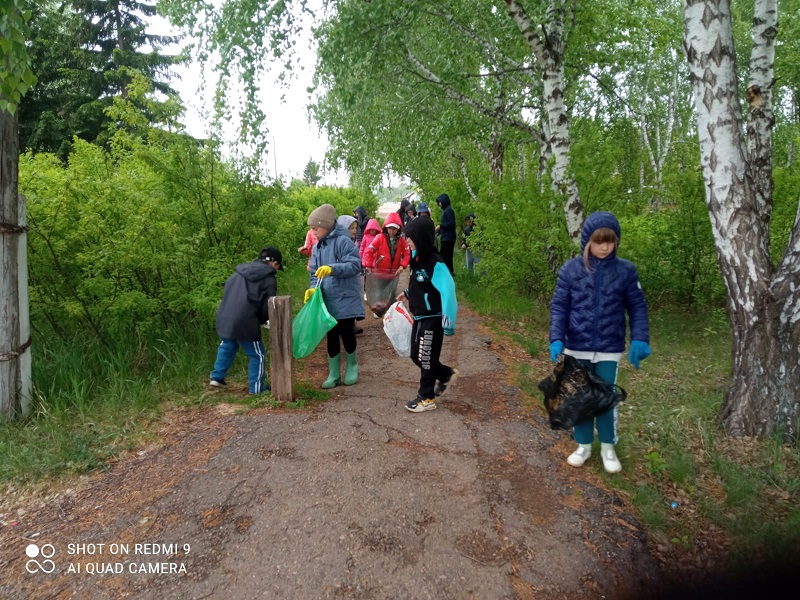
x,y
587,321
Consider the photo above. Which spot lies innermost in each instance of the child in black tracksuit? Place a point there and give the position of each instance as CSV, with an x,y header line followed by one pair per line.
x,y
431,298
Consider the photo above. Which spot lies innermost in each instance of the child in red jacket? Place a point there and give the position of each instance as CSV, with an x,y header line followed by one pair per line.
x,y
385,258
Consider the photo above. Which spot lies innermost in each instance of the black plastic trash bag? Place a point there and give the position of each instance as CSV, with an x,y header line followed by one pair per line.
x,y
573,393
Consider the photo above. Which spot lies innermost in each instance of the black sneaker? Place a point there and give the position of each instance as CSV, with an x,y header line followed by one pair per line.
x,y
441,386
359,330
419,404
217,383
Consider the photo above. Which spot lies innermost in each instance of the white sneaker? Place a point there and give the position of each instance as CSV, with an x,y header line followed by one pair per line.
x,y
580,456
610,461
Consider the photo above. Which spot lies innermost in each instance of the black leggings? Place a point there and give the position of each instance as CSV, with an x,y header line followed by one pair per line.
x,y
346,329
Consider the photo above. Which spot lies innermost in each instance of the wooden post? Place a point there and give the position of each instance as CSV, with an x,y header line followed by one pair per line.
x,y
280,347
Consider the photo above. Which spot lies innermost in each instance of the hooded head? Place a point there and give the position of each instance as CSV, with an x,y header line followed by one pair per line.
x,y
373,227
443,200
597,220
349,223
323,216
393,219
423,233
423,208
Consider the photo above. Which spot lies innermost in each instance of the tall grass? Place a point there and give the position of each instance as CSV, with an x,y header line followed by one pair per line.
x,y
92,402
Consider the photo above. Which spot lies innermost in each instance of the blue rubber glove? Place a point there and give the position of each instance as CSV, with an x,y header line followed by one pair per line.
x,y
638,352
556,348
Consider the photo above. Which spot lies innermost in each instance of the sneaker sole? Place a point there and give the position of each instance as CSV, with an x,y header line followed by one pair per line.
x,y
216,384
419,408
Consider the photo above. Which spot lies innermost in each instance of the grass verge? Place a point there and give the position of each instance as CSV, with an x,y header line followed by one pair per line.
x,y
699,493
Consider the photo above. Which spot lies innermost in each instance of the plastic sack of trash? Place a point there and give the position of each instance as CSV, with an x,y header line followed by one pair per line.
x,y
381,290
310,325
397,325
573,393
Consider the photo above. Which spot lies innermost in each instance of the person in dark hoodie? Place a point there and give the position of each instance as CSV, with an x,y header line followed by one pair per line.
x,y
447,230
402,212
241,313
360,213
432,301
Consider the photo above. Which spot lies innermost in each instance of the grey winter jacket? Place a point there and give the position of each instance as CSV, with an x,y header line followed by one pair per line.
x,y
342,288
243,308
587,311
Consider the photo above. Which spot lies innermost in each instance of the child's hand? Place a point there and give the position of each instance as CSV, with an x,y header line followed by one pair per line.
x,y
556,348
401,296
638,352
399,270
323,271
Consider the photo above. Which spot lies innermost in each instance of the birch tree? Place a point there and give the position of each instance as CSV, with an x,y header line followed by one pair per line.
x,y
763,298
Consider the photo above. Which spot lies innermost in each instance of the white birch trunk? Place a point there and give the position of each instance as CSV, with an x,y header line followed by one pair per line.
x,y
550,58
763,304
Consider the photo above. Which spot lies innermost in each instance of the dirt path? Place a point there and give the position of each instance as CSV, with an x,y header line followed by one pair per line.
x,y
356,499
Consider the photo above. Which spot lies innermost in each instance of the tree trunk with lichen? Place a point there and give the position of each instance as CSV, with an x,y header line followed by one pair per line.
x,y
763,300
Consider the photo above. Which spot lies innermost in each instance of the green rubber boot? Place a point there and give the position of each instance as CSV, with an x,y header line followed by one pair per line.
x,y
351,374
334,373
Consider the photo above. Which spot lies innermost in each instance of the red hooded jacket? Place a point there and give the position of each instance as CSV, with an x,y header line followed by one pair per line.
x,y
378,254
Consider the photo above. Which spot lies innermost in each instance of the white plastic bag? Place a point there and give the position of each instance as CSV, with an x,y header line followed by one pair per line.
x,y
397,325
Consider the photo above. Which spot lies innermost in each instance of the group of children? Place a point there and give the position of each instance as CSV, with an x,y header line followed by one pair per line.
x,y
594,293
335,268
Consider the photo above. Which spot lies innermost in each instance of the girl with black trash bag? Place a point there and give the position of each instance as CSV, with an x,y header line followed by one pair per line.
x,y
587,321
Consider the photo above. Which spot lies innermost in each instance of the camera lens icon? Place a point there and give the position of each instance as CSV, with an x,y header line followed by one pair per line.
x,y
47,551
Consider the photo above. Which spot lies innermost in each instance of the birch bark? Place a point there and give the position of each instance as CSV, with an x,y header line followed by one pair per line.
x,y
763,302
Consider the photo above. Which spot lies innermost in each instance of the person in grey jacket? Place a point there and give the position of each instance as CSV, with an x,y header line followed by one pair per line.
x,y
241,313
336,269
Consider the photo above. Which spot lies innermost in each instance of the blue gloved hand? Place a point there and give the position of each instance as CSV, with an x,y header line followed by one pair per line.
x,y
638,352
556,348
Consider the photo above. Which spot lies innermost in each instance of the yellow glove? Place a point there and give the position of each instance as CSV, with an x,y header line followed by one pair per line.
x,y
309,293
323,271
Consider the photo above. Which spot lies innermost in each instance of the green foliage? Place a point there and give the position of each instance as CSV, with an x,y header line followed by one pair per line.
x,y
16,74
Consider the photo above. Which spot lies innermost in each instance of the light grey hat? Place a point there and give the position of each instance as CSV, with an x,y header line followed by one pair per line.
x,y
324,216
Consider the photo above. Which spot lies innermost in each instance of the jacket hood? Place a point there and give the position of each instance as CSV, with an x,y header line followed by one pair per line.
x,y
444,200
362,212
346,220
404,204
423,233
256,270
373,225
393,218
595,221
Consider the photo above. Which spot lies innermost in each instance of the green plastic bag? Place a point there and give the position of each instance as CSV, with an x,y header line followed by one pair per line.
x,y
310,325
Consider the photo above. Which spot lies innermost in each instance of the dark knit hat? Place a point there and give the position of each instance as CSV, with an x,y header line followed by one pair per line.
x,y
324,216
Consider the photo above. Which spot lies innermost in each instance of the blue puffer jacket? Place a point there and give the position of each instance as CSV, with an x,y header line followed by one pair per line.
x,y
342,288
588,308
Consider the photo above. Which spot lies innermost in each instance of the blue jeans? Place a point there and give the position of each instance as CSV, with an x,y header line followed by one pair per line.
x,y
256,370
606,422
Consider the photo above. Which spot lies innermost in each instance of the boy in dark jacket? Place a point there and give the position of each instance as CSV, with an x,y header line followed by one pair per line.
x,y
431,298
240,315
